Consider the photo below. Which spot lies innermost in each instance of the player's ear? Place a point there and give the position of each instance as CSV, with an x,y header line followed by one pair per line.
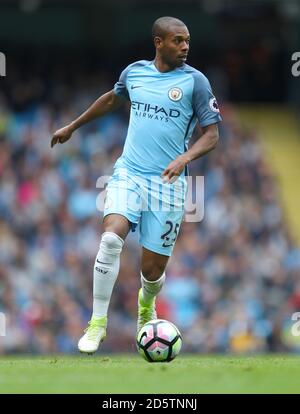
x,y
157,42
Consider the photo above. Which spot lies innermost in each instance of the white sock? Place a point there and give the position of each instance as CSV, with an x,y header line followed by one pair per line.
x,y
106,273
151,288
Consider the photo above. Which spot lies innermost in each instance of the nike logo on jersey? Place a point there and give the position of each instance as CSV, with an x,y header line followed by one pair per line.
x,y
136,86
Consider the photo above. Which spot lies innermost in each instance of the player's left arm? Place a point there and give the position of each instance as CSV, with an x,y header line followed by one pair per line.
x,y
207,111
207,142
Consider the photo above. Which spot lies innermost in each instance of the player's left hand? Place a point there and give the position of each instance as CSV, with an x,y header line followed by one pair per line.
x,y
174,169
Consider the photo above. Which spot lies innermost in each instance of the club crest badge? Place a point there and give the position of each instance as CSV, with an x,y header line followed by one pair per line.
x,y
175,94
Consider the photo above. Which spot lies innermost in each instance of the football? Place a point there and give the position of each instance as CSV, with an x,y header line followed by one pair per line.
x,y
159,341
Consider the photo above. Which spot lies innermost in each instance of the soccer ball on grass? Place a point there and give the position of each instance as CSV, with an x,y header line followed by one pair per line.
x,y
159,341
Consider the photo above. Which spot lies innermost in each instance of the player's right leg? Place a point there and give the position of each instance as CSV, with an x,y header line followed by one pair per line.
x,y
121,213
106,269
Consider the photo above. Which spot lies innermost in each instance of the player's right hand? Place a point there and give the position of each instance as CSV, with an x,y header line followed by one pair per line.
x,y
61,135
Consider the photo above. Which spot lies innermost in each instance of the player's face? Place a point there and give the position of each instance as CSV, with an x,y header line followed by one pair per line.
x,y
174,47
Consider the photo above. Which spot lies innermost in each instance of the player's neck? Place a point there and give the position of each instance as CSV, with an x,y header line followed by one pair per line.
x,y
162,66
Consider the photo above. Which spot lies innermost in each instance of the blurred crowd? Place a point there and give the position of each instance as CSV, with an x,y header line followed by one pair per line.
x,y
233,280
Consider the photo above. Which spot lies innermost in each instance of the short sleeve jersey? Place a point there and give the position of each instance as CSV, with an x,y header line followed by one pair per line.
x,y
165,107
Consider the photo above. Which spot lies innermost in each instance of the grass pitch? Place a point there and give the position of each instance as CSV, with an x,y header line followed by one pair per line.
x,y
131,374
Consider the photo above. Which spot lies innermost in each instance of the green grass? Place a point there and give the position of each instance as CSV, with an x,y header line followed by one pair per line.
x,y
131,374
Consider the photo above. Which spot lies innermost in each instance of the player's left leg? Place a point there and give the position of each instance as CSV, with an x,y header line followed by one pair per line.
x,y
161,217
152,280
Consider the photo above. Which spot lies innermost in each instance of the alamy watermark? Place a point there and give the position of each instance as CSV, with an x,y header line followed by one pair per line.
x,y
2,324
124,191
2,64
296,326
296,66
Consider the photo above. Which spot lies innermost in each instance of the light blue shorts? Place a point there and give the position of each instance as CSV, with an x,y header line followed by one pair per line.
x,y
145,201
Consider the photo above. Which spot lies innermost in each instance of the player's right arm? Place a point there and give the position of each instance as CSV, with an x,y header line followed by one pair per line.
x,y
105,104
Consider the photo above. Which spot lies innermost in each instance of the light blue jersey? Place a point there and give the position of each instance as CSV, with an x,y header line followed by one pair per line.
x,y
165,108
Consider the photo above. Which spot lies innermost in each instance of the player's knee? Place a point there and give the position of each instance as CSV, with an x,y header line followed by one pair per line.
x,y
153,272
111,243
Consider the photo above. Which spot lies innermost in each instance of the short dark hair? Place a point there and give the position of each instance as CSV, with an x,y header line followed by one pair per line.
x,y
162,25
